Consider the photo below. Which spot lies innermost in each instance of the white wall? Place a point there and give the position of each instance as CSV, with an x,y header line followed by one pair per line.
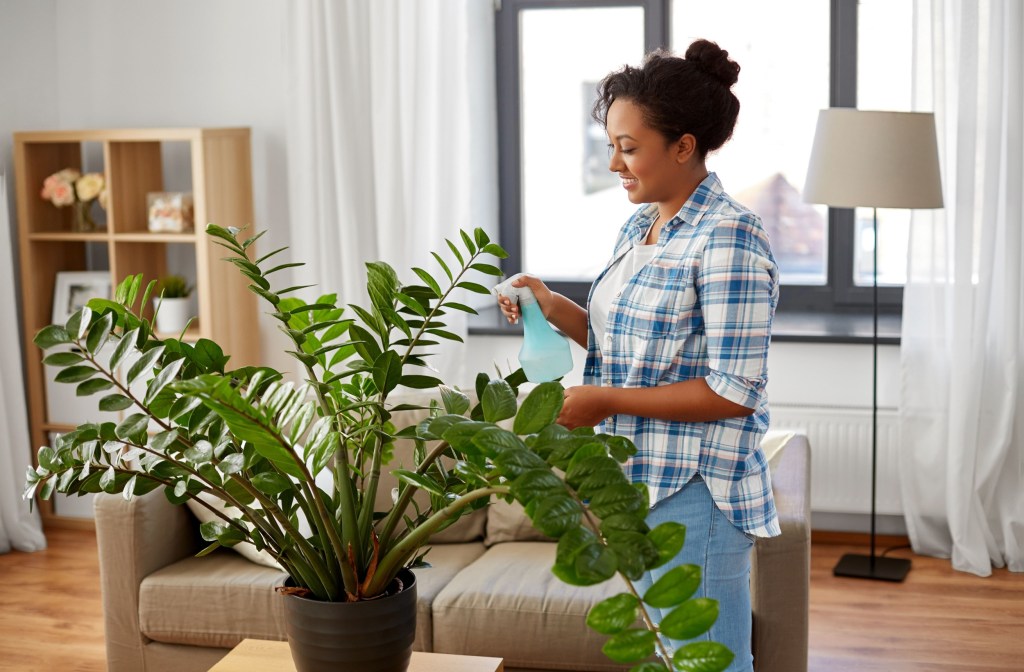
x,y
69,64
111,63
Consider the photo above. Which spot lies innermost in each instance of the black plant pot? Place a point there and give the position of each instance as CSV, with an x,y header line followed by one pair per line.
x,y
369,636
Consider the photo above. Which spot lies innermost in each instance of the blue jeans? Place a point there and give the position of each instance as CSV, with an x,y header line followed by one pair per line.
x,y
722,551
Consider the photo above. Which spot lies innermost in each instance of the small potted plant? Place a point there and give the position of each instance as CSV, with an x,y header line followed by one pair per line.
x,y
172,308
257,442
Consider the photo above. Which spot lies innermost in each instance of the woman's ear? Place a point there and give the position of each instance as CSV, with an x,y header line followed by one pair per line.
x,y
686,148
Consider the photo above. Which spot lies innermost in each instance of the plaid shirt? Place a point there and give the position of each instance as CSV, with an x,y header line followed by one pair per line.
x,y
703,308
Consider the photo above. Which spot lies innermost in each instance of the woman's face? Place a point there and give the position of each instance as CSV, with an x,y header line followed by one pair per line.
x,y
649,167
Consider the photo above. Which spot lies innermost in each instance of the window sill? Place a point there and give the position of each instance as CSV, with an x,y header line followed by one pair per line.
x,y
788,327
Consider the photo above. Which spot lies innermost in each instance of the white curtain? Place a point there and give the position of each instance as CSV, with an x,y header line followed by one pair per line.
x,y
392,140
19,527
962,406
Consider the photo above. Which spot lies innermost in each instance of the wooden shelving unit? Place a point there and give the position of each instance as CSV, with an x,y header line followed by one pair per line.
x,y
133,165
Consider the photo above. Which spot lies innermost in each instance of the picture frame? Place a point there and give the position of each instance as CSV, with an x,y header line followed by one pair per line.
x,y
73,289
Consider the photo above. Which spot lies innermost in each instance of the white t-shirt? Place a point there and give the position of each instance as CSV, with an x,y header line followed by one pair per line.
x,y
611,286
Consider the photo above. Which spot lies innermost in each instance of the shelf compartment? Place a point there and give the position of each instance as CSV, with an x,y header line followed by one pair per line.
x,y
186,238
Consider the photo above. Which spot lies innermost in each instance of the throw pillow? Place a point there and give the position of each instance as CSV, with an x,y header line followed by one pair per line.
x,y
245,549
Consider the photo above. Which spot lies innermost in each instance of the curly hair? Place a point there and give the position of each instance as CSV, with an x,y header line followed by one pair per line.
x,y
677,95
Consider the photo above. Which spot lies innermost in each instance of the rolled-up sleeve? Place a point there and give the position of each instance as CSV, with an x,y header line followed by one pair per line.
x,y
738,291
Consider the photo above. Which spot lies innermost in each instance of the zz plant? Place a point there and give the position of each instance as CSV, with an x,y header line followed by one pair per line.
x,y
194,427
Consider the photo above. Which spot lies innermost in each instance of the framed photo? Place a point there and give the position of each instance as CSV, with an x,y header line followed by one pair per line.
x,y
73,289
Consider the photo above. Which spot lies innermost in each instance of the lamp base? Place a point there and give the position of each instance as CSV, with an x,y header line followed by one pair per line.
x,y
868,567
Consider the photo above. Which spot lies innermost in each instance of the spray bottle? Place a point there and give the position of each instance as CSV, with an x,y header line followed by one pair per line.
x,y
545,354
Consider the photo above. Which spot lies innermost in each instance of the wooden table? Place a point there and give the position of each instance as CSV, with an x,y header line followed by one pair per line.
x,y
258,655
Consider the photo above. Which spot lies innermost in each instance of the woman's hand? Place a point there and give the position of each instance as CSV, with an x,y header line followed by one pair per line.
x,y
545,298
585,406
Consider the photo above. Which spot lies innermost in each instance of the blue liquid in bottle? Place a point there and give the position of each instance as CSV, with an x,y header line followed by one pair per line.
x,y
545,354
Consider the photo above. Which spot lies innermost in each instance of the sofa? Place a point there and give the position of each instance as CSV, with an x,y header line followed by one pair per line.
x,y
488,590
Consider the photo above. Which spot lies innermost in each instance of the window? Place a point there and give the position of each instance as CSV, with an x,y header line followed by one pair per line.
x,y
561,207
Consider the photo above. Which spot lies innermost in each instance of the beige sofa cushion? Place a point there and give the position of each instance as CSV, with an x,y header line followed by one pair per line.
x,y
446,560
509,522
197,601
508,604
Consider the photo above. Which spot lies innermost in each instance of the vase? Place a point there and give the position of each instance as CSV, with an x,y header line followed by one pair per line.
x,y
173,314
83,222
367,636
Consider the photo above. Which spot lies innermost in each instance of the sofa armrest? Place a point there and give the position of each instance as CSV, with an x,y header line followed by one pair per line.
x,y
780,570
135,538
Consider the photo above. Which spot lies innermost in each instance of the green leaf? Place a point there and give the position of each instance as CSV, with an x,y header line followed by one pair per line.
x,y
486,268
420,382
495,250
132,427
554,515
123,347
63,359
271,483
200,453
455,251
702,657
649,666
674,587
630,646
540,408
455,402
614,614
411,303
165,376
481,237
535,483
419,481
444,266
690,619
209,356
616,499
225,235
99,332
232,464
366,344
468,241
115,402
499,401
93,386
144,363
495,440
473,287
668,538
387,371
108,480
460,306
596,563
75,374
429,281
160,442
445,334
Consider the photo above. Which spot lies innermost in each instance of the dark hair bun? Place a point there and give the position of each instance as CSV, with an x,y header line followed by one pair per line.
x,y
713,60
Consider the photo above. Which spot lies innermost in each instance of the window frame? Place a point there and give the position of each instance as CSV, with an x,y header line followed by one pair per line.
x,y
840,294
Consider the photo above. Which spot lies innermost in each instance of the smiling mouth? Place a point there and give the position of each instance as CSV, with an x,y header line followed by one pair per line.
x,y
629,182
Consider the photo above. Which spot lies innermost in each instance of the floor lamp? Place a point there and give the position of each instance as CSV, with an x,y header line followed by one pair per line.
x,y
877,160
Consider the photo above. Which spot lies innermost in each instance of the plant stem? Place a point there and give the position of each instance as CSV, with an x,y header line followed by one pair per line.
x,y
398,511
394,559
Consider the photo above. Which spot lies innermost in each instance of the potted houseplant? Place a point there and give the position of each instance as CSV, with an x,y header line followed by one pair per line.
x,y
257,442
172,306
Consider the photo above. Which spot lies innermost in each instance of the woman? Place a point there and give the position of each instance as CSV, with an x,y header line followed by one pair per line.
x,y
677,325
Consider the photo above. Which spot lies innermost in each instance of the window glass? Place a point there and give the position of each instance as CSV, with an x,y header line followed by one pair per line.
x,y
783,82
572,205
884,82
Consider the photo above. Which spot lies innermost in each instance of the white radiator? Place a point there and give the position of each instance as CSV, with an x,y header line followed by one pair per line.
x,y
840,441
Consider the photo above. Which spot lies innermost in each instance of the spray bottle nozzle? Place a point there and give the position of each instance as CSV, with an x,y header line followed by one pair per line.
x,y
521,295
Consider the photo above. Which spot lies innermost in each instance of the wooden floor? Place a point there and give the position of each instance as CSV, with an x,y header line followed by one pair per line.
x,y
938,620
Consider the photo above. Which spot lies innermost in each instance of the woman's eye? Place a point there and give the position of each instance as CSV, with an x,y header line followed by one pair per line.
x,y
628,151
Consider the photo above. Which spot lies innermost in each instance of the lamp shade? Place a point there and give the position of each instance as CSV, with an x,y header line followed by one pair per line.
x,y
874,159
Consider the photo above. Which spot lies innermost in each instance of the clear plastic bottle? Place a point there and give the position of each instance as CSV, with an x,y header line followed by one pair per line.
x,y
545,354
